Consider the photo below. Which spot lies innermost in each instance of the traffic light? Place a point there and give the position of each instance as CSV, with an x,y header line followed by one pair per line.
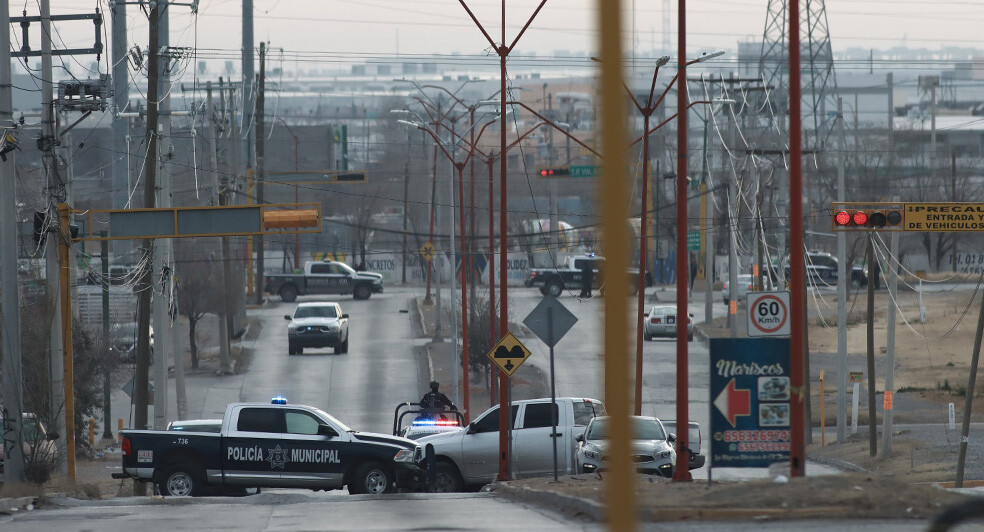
x,y
871,217
555,172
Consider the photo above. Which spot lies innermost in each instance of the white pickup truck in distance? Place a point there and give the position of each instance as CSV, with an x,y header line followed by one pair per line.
x,y
470,456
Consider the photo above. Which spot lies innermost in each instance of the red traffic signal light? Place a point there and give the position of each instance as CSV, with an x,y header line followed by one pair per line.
x,y
865,218
555,172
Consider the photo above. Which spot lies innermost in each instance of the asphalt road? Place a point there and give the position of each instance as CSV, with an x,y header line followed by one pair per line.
x,y
362,387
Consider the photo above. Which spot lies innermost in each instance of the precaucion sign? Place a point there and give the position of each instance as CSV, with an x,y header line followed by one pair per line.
x,y
768,314
750,393
509,354
943,217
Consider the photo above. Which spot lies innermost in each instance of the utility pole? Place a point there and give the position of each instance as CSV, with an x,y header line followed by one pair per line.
x,y
222,199
259,170
893,283
406,191
249,92
842,282
144,284
55,194
121,101
872,421
163,264
11,433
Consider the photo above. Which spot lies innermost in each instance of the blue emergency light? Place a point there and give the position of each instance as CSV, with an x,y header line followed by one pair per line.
x,y
279,400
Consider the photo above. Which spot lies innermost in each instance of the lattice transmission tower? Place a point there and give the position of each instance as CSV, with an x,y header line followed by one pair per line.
x,y
819,98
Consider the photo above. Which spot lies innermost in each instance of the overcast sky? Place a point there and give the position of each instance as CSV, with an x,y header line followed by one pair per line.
x,y
347,30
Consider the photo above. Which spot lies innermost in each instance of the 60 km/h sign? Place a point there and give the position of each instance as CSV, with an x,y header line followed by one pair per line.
x,y
768,314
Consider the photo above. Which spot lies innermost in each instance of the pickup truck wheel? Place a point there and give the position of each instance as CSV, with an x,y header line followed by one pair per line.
x,y
554,288
180,480
288,293
371,478
345,345
362,291
446,479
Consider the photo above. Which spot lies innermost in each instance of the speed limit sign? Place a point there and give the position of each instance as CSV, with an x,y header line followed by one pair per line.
x,y
768,314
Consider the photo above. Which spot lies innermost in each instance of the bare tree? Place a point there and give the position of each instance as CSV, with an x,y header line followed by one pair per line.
x,y
198,290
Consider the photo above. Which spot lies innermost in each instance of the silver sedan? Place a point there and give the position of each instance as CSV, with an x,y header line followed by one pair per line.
x,y
661,320
652,449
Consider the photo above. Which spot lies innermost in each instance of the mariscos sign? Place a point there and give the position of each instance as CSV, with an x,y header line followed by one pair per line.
x,y
750,393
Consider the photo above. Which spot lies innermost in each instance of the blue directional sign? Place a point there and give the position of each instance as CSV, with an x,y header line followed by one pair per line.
x,y
750,395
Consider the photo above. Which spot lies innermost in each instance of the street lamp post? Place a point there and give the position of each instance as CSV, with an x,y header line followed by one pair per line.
x,y
297,236
458,167
503,51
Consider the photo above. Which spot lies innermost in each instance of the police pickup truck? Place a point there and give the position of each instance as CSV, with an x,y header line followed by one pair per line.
x,y
470,456
273,445
324,277
568,276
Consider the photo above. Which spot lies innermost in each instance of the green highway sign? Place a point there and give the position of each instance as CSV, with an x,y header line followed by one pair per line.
x,y
584,171
693,240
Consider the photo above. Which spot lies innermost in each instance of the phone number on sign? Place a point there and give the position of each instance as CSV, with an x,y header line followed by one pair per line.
x,y
758,447
756,436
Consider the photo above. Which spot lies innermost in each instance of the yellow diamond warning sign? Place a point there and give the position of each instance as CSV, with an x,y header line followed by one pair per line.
x,y
427,251
509,354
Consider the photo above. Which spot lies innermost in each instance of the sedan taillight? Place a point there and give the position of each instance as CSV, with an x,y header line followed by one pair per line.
x,y
655,321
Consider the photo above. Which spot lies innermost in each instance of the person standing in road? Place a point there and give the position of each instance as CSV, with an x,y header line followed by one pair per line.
x,y
587,277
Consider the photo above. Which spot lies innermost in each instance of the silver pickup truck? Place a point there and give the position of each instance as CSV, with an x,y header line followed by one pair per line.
x,y
470,456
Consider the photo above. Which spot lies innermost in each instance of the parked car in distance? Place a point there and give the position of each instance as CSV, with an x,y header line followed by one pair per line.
x,y
745,284
693,442
196,425
652,449
123,341
661,320
317,325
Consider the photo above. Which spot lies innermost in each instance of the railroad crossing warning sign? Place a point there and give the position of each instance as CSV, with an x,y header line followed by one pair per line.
x,y
427,251
768,314
509,354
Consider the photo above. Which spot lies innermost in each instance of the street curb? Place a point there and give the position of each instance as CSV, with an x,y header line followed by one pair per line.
x,y
16,504
562,503
597,512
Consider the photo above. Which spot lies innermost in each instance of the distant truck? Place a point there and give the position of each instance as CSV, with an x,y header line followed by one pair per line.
x,y
553,281
324,277
273,445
